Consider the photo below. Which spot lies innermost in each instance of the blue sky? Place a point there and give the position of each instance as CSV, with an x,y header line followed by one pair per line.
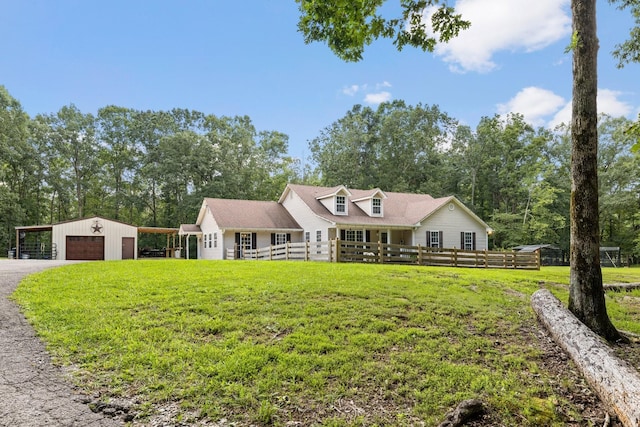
x,y
247,58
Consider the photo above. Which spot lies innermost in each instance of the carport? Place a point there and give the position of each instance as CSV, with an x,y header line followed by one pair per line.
x,y
32,242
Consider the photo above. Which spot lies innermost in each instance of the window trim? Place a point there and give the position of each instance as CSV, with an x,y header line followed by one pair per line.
x,y
376,204
280,238
341,205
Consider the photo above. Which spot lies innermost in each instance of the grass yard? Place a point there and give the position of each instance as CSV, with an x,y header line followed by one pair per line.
x,y
293,343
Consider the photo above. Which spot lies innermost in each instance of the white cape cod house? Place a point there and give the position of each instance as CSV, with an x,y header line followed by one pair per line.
x,y
316,214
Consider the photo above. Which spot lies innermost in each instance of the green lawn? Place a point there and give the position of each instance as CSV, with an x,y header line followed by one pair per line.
x,y
321,344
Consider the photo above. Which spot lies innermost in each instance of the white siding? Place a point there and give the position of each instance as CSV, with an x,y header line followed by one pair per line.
x,y
112,231
209,227
452,223
304,216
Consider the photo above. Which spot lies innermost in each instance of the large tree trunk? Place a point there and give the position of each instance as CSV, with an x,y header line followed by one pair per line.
x,y
586,297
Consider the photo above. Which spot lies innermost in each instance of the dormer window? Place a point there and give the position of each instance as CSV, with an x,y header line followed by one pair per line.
x,y
376,206
341,205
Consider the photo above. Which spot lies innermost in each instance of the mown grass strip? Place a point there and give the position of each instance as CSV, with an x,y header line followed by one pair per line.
x,y
323,344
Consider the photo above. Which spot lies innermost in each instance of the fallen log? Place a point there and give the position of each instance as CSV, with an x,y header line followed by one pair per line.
x,y
615,381
619,287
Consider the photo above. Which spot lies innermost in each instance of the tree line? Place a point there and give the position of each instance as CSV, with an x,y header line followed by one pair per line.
x,y
153,168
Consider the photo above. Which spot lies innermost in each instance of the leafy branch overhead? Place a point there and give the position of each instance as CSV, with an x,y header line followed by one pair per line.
x,y
349,26
629,50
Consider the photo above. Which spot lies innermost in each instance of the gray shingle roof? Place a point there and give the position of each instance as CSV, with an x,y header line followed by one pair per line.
x,y
400,209
251,215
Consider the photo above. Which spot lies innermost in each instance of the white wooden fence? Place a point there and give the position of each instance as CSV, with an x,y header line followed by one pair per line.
x,y
344,251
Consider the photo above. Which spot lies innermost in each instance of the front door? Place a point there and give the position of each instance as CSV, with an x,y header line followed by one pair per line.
x,y
245,244
128,247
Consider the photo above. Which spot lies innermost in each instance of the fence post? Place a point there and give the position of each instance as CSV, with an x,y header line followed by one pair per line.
x,y
515,259
486,258
455,257
338,249
419,255
538,259
380,253
306,251
286,251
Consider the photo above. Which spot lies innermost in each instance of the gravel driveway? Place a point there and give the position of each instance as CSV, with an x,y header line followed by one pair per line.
x,y
32,391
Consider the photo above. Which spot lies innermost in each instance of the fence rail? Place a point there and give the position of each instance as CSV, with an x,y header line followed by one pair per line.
x,y
386,253
41,250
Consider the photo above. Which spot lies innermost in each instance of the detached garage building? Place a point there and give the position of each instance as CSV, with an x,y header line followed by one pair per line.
x,y
93,238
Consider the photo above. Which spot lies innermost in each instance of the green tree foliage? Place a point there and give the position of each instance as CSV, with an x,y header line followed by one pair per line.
x,y
143,167
68,139
18,166
629,50
348,26
396,147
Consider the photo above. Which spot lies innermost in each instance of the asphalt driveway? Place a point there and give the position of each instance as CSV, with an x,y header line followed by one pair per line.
x,y
33,392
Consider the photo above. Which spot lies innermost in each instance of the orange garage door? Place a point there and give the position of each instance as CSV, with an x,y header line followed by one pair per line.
x,y
85,247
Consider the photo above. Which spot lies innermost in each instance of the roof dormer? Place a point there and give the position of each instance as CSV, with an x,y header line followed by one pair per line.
x,y
336,201
372,202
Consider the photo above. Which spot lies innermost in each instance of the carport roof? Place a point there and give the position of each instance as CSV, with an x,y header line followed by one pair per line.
x,y
157,230
34,228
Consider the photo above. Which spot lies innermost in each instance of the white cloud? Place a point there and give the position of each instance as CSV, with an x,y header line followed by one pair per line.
x,y
373,94
377,98
503,25
608,103
350,90
534,103
541,107
562,116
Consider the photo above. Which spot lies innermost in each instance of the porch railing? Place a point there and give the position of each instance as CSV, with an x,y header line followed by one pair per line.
x,y
377,252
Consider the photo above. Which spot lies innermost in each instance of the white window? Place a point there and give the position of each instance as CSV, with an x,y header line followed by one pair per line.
x,y
281,238
318,235
341,205
468,241
307,236
376,206
215,240
434,239
353,235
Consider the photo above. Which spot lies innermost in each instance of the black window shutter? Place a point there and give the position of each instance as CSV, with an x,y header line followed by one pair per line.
x,y
367,236
342,234
288,237
462,240
273,238
254,238
237,245
440,238
428,244
474,240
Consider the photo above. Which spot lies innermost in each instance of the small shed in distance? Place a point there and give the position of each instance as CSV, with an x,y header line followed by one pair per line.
x,y
549,254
